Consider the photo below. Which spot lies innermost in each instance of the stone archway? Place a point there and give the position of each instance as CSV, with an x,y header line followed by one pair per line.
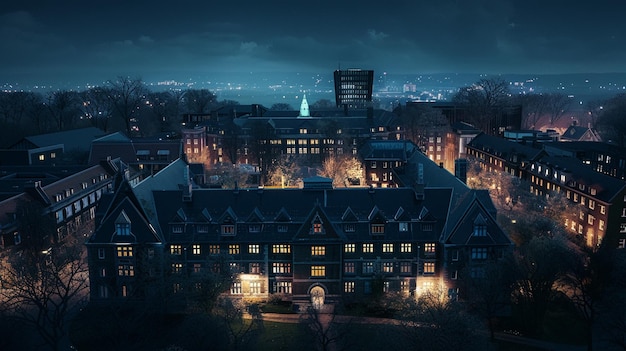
x,y
318,295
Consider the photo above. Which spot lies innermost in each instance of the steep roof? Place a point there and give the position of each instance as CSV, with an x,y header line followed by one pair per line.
x,y
475,207
298,205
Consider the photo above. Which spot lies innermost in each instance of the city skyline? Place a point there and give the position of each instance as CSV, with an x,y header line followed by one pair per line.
x,y
67,42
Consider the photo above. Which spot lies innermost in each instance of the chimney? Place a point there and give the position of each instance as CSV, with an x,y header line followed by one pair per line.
x,y
187,186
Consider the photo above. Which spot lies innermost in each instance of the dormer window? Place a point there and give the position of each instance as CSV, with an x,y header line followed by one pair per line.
x,y
228,229
122,228
316,226
177,228
377,229
480,230
254,228
403,226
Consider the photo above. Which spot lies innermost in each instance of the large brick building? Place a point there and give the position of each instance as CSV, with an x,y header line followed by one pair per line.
x,y
312,242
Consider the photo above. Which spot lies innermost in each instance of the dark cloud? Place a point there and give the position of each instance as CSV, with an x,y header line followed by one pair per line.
x,y
71,40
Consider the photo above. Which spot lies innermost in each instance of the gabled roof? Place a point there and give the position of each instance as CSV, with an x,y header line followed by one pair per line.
x,y
124,211
462,220
317,215
580,133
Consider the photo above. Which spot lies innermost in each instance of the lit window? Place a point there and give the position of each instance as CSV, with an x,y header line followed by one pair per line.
x,y
282,287
254,249
387,247
176,249
214,249
281,248
177,268
255,287
124,251
429,248
281,267
318,271
195,249
255,268
429,267
125,270
348,287
233,249
235,288
349,248
405,247
42,157
387,267
368,248
318,250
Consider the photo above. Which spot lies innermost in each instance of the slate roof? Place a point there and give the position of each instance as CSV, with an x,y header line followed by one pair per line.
x,y
297,205
607,187
75,139
118,145
577,133
473,205
387,149
503,148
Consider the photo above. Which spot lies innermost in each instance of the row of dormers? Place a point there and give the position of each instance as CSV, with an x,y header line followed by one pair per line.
x,y
375,215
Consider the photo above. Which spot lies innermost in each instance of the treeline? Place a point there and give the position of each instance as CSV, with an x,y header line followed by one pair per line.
x,y
125,104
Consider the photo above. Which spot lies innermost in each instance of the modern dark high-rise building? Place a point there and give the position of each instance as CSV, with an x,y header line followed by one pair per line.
x,y
353,87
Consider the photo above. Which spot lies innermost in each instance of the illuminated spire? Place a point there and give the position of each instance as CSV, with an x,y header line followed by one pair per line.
x,y
304,107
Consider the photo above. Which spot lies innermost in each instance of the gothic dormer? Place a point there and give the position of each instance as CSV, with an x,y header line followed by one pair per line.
x,y
122,224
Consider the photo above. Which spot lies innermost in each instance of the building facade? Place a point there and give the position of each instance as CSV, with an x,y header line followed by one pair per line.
x,y
314,244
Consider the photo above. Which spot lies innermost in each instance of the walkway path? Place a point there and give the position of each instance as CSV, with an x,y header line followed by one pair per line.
x,y
541,344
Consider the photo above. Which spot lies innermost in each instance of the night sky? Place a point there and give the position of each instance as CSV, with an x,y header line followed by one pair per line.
x,y
99,40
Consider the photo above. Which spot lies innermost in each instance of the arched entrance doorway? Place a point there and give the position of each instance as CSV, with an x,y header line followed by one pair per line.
x,y
317,294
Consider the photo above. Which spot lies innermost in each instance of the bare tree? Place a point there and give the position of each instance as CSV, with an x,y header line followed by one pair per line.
x,y
342,169
325,330
484,101
489,294
97,106
557,105
534,107
242,333
428,321
322,104
611,121
285,172
44,290
63,107
419,120
537,267
127,95
199,101
281,106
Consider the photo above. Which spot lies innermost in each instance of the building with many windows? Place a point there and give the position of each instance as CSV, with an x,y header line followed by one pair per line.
x,y
353,88
313,244
582,173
